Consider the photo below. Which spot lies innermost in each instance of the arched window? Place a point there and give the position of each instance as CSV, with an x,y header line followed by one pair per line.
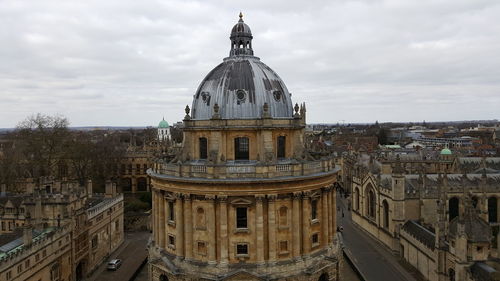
x,y
203,148
453,207
385,207
314,209
142,184
283,216
370,203
241,148
475,200
492,209
163,277
356,199
451,274
280,151
200,218
324,277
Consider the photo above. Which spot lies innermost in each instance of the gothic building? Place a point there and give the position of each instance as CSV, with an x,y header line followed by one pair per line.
x,y
243,199
440,216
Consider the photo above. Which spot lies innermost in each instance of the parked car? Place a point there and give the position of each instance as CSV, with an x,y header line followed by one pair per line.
x,y
114,264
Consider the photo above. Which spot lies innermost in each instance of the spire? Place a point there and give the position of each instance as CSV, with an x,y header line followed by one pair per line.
x,y
241,17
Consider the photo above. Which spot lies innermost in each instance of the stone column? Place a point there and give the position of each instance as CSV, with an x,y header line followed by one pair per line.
x,y
306,224
296,227
259,219
154,217
163,221
331,218
271,218
223,223
333,209
188,227
325,217
179,227
211,221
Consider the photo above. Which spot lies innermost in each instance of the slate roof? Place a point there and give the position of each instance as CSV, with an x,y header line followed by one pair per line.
x,y
475,228
420,233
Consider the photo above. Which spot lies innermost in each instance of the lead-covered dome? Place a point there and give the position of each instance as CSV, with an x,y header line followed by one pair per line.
x,y
242,85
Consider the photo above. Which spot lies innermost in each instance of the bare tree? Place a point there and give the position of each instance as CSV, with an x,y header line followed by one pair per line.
x,y
42,140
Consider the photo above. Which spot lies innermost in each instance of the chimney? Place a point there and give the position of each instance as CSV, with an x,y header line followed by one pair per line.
x,y
38,211
27,231
89,188
3,189
115,192
30,187
109,189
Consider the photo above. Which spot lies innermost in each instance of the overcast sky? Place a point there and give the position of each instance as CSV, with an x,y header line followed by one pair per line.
x,y
129,62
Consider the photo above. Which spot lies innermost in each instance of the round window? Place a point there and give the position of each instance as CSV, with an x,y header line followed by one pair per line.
x,y
277,95
240,95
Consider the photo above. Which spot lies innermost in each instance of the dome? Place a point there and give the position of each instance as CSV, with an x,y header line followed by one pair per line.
x,y
241,85
163,124
445,151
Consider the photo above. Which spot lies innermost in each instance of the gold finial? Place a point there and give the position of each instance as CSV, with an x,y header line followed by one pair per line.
x,y
241,15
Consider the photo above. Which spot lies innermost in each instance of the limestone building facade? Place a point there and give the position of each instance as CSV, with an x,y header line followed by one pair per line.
x,y
94,223
242,200
440,216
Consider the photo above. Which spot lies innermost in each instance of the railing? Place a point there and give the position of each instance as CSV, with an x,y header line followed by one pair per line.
x,y
252,169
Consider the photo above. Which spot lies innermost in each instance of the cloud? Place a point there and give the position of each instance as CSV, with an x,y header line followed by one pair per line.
x,y
132,62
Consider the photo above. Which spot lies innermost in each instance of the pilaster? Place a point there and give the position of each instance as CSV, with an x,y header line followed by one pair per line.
x,y
161,220
211,221
179,226
188,227
223,223
296,230
271,219
306,224
259,218
325,218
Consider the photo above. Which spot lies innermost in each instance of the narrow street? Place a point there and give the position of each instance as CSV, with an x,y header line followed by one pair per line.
x,y
374,261
132,253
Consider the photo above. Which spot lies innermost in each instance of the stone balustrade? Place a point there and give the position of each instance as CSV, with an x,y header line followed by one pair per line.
x,y
244,169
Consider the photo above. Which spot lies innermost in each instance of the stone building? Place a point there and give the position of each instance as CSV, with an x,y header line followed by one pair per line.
x,y
95,221
243,199
36,254
439,221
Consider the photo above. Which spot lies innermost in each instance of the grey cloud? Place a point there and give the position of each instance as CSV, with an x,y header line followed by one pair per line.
x,y
132,62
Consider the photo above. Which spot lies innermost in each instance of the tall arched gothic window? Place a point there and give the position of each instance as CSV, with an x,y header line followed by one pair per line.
x,y
492,209
370,203
453,208
385,207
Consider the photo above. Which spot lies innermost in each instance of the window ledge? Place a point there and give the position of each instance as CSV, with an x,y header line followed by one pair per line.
x,y
282,227
241,230
171,246
171,222
314,221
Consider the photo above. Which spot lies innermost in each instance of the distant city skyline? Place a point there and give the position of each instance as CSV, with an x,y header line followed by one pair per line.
x,y
128,63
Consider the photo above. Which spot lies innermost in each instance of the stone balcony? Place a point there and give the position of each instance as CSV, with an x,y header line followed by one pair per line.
x,y
248,170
